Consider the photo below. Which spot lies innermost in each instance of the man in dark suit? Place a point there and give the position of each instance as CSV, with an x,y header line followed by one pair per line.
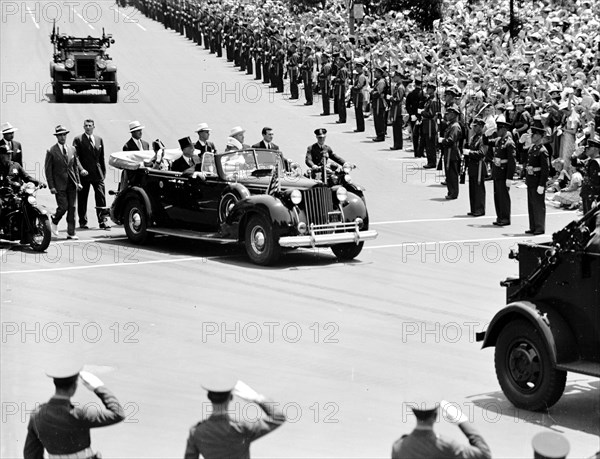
x,y
63,429
267,141
62,173
202,144
8,133
188,159
90,153
136,143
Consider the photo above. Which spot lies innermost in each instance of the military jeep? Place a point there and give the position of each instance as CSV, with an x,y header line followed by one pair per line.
x,y
551,323
81,64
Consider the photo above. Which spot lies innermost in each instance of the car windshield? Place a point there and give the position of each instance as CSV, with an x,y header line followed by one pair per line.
x,y
245,163
81,43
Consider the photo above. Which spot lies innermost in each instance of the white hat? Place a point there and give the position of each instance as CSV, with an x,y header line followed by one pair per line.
x,y
64,369
7,128
236,130
135,126
203,127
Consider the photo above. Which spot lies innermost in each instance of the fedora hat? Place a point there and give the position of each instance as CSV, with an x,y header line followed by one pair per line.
x,y
60,129
7,128
203,127
236,130
135,126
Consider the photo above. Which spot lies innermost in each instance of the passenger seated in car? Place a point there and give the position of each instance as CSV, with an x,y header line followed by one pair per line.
x,y
235,141
158,162
189,159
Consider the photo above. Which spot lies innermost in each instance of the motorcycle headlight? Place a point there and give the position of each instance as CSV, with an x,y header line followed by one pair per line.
x,y
101,63
69,63
347,168
29,188
342,194
348,178
296,197
31,200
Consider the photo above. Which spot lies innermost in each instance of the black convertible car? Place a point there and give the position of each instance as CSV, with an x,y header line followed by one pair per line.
x,y
251,196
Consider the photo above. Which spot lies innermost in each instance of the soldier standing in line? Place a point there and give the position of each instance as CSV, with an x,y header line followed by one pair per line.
x,y
280,66
537,171
292,66
243,48
324,78
414,102
257,53
307,74
503,169
590,188
450,144
333,91
429,131
396,110
475,157
358,97
378,101
266,59
341,80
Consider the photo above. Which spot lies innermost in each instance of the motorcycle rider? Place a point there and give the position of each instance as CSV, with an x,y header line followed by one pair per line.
x,y
317,151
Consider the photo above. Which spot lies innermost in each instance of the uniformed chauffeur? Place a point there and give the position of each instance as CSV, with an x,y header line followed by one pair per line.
x,y
503,169
63,429
222,435
537,170
475,157
424,443
550,445
316,152
450,146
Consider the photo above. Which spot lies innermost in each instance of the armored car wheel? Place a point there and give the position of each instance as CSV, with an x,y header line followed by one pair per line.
x,y
524,368
42,233
261,246
135,222
348,251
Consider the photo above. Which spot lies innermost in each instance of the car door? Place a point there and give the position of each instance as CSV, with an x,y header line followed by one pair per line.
x,y
205,194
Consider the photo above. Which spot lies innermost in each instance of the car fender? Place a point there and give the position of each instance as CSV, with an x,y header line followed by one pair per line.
x,y
240,190
355,207
268,206
118,206
555,331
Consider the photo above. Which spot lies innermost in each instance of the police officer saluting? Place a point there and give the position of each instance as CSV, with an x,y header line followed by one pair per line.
x,y
537,170
503,169
62,429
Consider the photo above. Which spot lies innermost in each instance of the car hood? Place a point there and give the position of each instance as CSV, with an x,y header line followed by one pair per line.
x,y
287,183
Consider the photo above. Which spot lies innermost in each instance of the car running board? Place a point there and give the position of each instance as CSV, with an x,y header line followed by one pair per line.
x,y
190,234
581,366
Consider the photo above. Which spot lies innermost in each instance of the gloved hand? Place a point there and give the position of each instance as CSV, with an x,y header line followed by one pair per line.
x,y
413,117
540,190
89,380
316,168
440,139
243,390
508,183
419,110
452,413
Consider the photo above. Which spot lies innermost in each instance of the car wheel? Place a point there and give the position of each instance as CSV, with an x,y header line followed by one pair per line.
x,y
261,246
348,251
135,222
228,200
524,368
42,233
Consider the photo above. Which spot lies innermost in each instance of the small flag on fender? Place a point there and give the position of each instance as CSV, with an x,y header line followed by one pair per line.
x,y
274,185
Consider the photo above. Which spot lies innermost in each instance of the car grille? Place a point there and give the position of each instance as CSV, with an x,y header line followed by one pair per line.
x,y
318,204
85,68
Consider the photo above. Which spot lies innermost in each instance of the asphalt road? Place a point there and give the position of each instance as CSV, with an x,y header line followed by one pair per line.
x,y
344,347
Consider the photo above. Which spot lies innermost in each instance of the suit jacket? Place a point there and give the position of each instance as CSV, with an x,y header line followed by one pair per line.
x,y
61,428
210,147
91,157
61,171
17,153
263,144
181,165
132,146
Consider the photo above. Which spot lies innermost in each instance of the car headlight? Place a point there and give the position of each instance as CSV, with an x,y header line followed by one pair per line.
x,y
31,200
296,197
348,178
342,194
101,63
69,63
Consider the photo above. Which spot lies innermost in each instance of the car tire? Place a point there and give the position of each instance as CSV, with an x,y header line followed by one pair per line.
x,y
42,233
524,368
135,221
348,251
228,200
261,245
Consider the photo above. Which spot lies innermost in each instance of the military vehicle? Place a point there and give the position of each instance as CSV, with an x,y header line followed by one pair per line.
x,y
81,64
551,324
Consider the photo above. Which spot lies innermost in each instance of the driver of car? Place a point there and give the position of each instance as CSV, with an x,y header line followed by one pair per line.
x,y
319,151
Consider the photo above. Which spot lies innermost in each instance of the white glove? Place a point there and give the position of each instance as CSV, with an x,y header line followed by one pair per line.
x,y
466,152
243,390
89,380
452,413
540,190
508,183
419,110
440,139
515,132
413,117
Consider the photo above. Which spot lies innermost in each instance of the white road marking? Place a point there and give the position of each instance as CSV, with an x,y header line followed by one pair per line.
x,y
466,218
458,241
81,17
33,17
132,20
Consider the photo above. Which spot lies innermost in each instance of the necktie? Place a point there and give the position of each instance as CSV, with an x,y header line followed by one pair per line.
x,y
92,140
64,150
268,146
139,144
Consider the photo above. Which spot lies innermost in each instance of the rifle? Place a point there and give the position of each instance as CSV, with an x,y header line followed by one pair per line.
x,y
440,164
463,163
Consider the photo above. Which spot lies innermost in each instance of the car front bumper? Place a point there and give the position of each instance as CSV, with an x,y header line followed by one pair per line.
x,y
313,240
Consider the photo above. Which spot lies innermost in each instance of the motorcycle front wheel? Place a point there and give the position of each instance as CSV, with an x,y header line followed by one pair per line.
x,y
42,233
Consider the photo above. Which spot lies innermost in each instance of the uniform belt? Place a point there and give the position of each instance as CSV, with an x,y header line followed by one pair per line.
x,y
83,454
503,161
533,169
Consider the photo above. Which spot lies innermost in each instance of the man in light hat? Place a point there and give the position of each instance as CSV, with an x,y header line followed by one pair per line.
x,y
537,170
60,428
450,144
235,141
136,143
474,154
550,445
503,170
62,172
424,443
226,434
14,147
203,144
318,153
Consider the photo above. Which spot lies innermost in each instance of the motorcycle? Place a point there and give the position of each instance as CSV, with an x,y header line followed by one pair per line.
x,y
338,175
23,219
